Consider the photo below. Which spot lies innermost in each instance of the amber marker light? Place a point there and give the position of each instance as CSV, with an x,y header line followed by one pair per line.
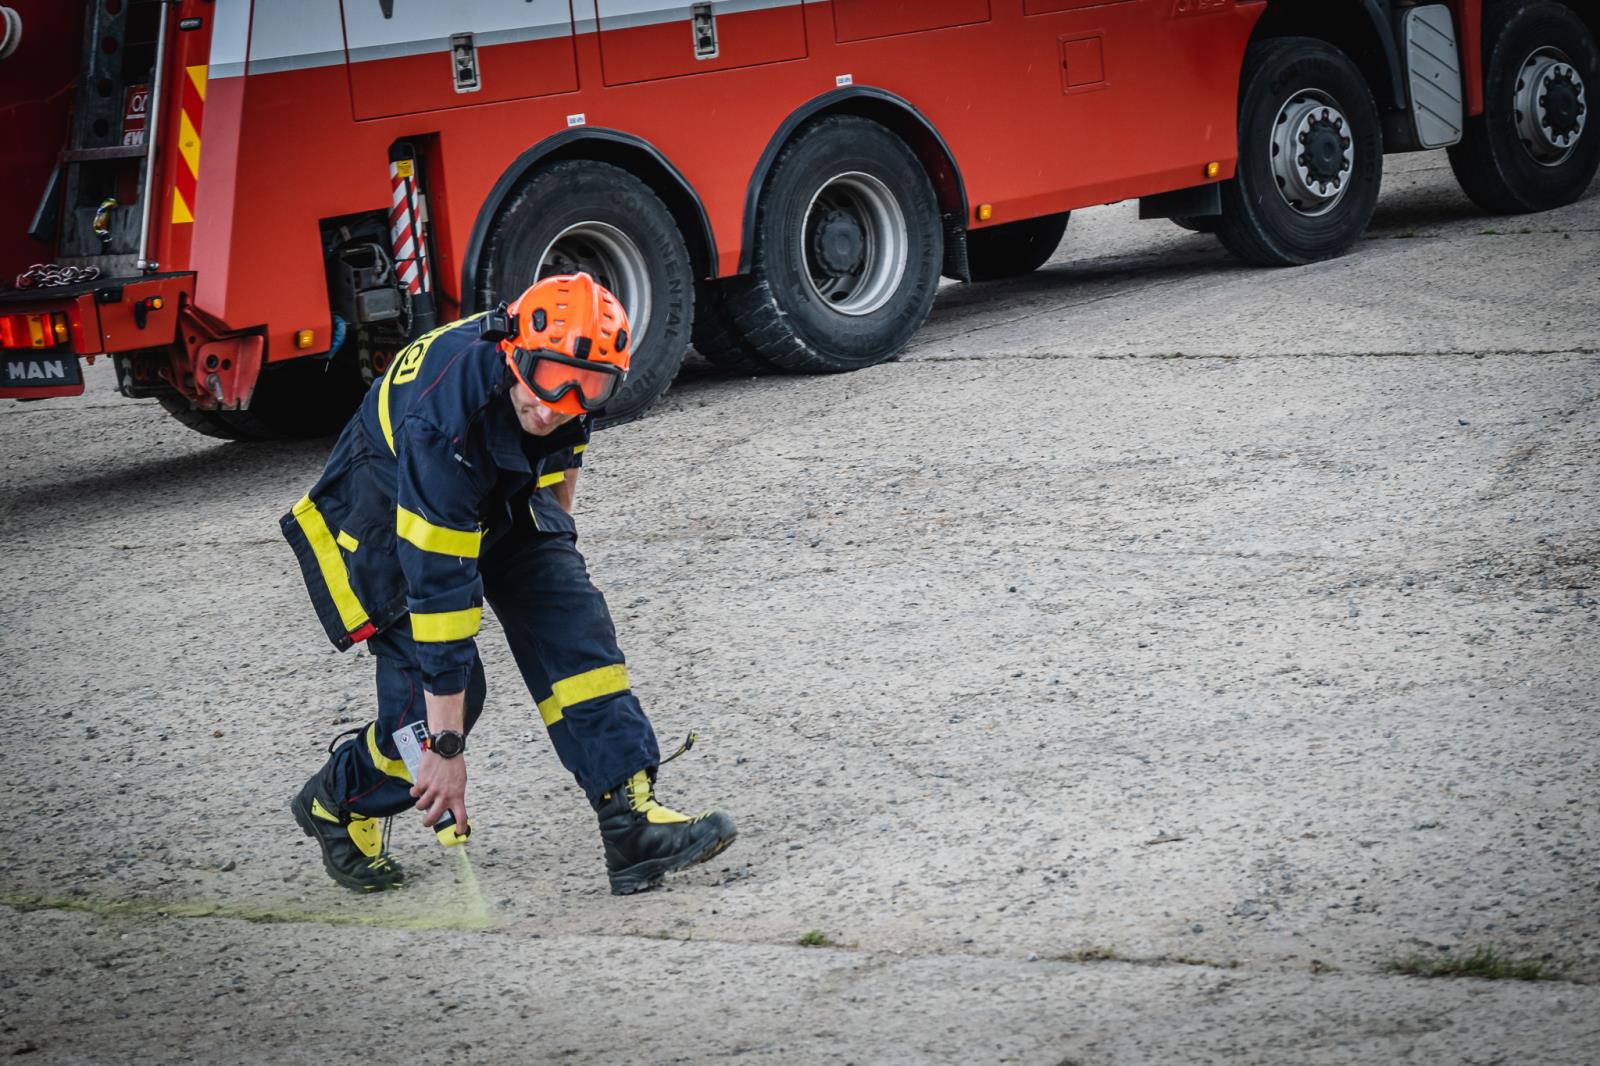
x,y
304,338
985,212
1213,169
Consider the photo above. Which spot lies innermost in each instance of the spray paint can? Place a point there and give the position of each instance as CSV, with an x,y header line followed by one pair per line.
x,y
412,740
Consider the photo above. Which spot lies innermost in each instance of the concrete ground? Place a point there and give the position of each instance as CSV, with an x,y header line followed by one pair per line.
x,y
1128,674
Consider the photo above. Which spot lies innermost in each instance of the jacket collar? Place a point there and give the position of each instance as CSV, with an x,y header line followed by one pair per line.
x,y
516,450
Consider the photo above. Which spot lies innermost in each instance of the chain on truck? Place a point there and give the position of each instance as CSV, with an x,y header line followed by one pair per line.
x,y
250,206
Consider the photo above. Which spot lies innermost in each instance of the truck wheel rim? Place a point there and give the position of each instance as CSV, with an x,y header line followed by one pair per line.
x,y
854,243
1313,154
1551,106
609,256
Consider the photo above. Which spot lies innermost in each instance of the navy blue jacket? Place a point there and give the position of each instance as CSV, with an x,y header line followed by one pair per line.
x,y
420,483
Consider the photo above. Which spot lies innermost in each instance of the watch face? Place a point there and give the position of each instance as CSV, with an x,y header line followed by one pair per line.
x,y
448,744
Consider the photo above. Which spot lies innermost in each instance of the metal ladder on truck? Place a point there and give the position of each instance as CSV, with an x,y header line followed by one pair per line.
x,y
98,203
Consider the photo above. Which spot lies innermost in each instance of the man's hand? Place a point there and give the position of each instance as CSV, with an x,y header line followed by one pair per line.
x,y
442,786
442,783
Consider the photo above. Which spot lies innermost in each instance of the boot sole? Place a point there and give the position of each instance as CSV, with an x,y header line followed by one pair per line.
x,y
650,873
303,818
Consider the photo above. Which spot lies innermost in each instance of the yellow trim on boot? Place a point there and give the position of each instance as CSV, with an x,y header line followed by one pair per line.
x,y
641,797
319,811
366,834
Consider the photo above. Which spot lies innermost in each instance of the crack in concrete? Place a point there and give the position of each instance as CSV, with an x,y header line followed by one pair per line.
x,y
1201,356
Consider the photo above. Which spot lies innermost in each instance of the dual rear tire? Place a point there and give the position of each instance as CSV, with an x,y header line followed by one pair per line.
x,y
1537,144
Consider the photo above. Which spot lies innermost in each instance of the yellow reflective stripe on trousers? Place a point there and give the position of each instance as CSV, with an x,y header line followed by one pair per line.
x,y
592,684
385,765
441,540
552,479
446,625
550,710
580,449
589,685
351,614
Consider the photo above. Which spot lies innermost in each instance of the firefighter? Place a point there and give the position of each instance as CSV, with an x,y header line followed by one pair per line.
x,y
452,485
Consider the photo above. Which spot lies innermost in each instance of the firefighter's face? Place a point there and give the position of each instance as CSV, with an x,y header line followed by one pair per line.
x,y
535,417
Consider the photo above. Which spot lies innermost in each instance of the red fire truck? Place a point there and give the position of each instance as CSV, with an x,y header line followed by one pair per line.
x,y
249,205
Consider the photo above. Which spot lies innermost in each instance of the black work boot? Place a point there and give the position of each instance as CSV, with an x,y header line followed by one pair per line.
x,y
352,844
646,841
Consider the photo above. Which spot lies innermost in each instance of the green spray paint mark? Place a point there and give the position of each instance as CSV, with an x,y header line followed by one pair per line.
x,y
473,913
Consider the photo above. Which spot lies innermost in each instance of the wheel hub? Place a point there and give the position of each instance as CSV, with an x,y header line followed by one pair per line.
x,y
839,244
855,243
1551,106
611,257
1312,152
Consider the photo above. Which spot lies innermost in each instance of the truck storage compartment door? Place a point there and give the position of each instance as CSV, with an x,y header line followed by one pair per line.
x,y
408,56
643,40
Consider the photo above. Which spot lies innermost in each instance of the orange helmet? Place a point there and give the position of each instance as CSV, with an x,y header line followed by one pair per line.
x,y
571,344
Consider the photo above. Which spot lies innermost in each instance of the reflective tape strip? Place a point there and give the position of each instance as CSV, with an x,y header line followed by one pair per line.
x,y
385,765
351,614
441,540
446,625
552,479
590,685
580,449
346,541
550,710
186,171
383,413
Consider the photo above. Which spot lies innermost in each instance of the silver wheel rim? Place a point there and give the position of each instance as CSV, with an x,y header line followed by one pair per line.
x,y
609,256
1313,155
1551,106
854,243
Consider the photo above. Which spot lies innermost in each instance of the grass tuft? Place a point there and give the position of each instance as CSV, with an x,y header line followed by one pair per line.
x,y
815,939
1089,954
1479,962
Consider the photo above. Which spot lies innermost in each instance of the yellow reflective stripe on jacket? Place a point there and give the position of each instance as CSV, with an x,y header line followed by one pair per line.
x,y
407,364
351,614
590,685
346,541
552,479
446,625
383,413
385,765
441,540
580,449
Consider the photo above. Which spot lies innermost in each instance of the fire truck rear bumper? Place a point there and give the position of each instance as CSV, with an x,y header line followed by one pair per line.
x,y
164,345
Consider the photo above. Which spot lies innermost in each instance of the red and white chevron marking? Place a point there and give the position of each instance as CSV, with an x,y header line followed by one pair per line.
x,y
405,229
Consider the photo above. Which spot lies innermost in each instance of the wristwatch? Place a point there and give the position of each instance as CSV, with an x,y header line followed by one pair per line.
x,y
447,743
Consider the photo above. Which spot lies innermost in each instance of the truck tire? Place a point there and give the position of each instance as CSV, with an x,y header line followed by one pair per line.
x,y
1196,223
1310,155
848,251
717,336
1537,143
294,400
582,215
1013,249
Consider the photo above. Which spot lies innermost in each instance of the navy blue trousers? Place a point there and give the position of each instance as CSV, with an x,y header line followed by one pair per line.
x,y
565,645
